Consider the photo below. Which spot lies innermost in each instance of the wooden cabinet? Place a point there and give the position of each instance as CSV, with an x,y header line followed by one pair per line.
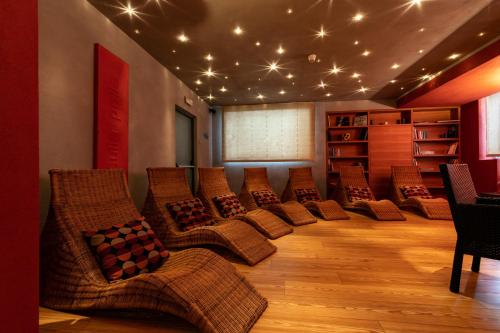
x,y
378,139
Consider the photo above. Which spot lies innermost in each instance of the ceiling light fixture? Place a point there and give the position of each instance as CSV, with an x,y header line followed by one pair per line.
x,y
454,56
273,66
223,89
260,96
173,51
237,30
237,63
393,81
280,50
289,11
335,70
137,31
421,29
362,90
209,72
210,97
209,57
420,51
366,53
321,33
198,82
282,92
178,68
322,85
355,75
356,42
289,76
328,94
358,17
395,66
481,34
183,38
257,43
128,9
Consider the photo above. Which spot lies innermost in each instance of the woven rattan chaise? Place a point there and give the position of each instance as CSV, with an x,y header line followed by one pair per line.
x,y
213,182
435,208
171,184
301,178
196,284
382,210
476,220
291,211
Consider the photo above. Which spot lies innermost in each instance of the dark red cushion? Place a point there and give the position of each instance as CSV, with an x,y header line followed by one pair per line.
x,y
189,214
356,193
126,250
415,191
307,194
264,198
228,205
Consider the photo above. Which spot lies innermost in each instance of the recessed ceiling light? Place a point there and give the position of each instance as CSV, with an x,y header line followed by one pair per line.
x,y
289,76
293,83
183,38
395,66
209,57
210,97
362,90
402,88
421,29
321,33
412,3
335,70
237,30
356,42
481,34
322,85
366,53
128,9
393,81
454,56
273,66
355,75
425,77
289,11
173,51
198,82
328,94
257,43
422,69
178,68
358,17
282,92
137,31
280,50
359,81
249,88
237,63
223,89
209,72
260,96
259,79
420,51
226,77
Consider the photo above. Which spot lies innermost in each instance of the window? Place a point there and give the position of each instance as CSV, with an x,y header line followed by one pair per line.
x,y
493,125
278,132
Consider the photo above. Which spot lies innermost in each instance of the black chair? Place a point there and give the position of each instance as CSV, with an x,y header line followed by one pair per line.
x,y
476,219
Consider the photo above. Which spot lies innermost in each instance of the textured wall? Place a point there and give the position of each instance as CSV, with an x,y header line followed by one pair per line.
x,y
68,31
278,171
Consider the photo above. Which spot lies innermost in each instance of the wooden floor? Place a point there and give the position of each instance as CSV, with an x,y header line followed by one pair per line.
x,y
349,276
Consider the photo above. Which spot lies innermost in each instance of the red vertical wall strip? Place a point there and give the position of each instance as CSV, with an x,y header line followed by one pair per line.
x,y
19,177
111,110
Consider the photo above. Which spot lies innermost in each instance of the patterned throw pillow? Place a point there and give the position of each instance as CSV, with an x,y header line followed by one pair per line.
x,y
126,250
229,205
264,198
415,191
307,194
189,214
356,193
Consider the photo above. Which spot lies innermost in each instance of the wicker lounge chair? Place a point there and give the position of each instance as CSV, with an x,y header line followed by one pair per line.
x,y
291,211
383,210
435,208
301,178
171,184
477,221
195,284
213,182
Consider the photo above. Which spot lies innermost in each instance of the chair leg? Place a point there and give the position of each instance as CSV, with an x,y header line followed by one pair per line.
x,y
476,262
456,271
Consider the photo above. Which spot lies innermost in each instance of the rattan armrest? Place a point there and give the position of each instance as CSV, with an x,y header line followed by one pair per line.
x,y
488,200
481,221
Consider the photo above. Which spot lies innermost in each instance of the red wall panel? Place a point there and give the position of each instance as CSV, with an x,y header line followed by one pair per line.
x,y
111,110
19,176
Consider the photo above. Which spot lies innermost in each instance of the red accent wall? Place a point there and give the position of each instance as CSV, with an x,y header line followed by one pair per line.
x,y
19,185
111,110
485,172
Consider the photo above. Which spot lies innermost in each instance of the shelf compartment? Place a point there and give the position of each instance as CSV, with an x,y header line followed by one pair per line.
x,y
435,155
348,157
347,142
437,140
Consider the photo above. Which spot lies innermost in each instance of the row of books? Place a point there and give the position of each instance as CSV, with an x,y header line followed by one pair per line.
x,y
419,134
452,150
359,120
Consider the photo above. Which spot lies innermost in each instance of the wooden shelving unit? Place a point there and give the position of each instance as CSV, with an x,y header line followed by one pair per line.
x,y
377,139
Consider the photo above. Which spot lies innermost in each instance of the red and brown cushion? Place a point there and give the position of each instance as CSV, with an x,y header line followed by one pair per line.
x,y
415,191
264,198
307,194
126,250
189,214
357,193
228,205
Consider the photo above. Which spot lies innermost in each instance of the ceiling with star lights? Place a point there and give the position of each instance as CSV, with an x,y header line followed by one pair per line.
x,y
233,52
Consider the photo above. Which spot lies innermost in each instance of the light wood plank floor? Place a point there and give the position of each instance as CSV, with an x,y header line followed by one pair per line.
x,y
349,276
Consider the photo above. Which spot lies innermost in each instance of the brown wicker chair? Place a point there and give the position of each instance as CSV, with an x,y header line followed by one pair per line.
x,y
196,284
213,182
435,209
171,184
383,210
477,221
291,211
301,178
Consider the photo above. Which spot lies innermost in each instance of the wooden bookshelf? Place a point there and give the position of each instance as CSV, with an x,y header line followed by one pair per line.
x,y
378,139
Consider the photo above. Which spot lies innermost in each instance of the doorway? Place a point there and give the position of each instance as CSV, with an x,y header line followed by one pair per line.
x,y
185,138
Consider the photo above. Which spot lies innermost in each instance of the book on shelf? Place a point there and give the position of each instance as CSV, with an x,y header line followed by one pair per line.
x,y
419,134
452,150
364,134
360,120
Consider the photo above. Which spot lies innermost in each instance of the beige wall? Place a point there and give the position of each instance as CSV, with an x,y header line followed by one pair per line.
x,y
68,30
278,171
